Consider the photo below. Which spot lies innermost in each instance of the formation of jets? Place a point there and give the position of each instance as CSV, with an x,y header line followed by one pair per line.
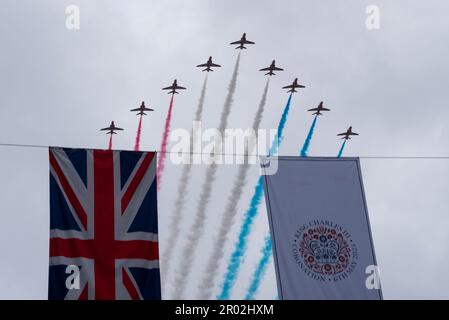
x,y
347,135
209,65
111,129
319,109
172,89
141,110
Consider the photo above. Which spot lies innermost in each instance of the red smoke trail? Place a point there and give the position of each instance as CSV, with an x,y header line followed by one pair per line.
x,y
110,143
139,129
163,149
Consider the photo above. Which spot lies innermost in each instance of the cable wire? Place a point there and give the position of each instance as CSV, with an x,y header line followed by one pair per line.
x,y
22,145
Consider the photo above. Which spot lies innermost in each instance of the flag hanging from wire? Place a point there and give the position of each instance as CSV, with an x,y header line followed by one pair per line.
x,y
320,230
103,225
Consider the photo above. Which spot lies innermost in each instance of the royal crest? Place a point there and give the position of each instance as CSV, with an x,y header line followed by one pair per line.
x,y
324,248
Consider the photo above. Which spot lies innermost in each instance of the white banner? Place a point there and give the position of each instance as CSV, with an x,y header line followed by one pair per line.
x,y
321,235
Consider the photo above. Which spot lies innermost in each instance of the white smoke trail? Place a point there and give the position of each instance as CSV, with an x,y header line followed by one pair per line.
x,y
197,228
176,216
208,280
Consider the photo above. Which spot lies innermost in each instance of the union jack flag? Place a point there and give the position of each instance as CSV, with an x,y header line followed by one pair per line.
x,y
103,225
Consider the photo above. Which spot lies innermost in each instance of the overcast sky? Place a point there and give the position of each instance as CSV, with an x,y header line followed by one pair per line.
x,y
59,86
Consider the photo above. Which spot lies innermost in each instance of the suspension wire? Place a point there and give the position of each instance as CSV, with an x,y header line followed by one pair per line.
x,y
22,145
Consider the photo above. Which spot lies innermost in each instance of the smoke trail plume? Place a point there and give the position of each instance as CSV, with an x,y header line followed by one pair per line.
x,y
163,155
305,147
267,249
240,247
208,280
139,129
197,228
341,149
176,217
280,132
110,142
260,270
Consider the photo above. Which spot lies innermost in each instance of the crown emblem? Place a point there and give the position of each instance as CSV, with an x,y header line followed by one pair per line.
x,y
325,250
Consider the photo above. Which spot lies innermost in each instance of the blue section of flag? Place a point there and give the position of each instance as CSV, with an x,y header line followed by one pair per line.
x,y
128,161
56,282
60,215
146,217
78,157
148,281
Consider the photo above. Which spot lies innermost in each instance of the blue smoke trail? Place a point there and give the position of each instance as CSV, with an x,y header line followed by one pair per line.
x,y
267,249
305,147
280,134
341,149
241,244
260,270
